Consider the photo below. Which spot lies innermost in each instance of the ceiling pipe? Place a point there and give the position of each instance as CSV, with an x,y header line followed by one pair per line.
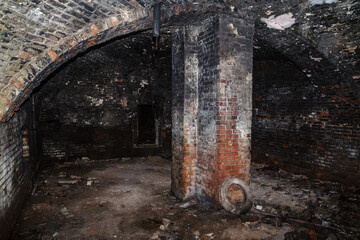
x,y
156,22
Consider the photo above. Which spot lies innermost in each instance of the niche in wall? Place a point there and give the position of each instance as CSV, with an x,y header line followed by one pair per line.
x,y
146,125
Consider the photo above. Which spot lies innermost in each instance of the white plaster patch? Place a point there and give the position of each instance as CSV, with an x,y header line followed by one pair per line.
x,y
280,22
86,122
243,125
233,29
319,2
143,83
35,15
316,59
248,78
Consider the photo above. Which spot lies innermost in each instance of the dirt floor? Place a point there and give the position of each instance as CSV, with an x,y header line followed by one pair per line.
x,y
130,198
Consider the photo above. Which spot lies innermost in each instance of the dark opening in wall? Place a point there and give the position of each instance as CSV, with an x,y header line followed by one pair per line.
x,y
146,132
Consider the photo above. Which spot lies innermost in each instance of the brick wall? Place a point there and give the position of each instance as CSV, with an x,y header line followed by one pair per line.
x,y
302,126
90,107
17,167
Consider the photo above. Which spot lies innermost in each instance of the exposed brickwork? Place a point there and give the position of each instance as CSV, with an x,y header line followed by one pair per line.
x,y
303,127
16,168
90,108
235,94
308,122
190,110
323,42
216,103
40,38
208,48
177,111
36,39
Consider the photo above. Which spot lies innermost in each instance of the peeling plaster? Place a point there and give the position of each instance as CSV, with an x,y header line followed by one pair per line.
x,y
280,22
143,83
35,15
233,29
316,59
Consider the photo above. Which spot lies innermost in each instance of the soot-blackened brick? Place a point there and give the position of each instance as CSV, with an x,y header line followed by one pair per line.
x,y
216,94
302,126
17,168
90,107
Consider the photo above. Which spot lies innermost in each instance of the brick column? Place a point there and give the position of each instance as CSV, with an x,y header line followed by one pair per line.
x,y
225,95
185,77
212,93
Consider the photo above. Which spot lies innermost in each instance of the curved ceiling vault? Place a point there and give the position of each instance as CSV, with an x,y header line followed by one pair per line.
x,y
37,36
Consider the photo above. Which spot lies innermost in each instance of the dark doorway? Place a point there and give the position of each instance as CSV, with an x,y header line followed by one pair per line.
x,y
146,125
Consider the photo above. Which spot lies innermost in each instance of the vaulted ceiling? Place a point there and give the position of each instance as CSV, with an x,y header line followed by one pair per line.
x,y
38,36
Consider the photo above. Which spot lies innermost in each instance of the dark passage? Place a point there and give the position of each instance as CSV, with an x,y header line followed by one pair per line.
x,y
146,125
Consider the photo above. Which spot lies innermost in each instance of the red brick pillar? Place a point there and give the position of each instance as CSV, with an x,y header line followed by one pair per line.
x,y
212,93
225,104
233,127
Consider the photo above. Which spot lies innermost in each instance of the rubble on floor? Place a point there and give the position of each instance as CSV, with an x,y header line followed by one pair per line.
x,y
130,199
328,204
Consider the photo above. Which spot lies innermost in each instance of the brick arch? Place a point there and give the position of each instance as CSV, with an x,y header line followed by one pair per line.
x,y
15,88
319,44
22,83
304,54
